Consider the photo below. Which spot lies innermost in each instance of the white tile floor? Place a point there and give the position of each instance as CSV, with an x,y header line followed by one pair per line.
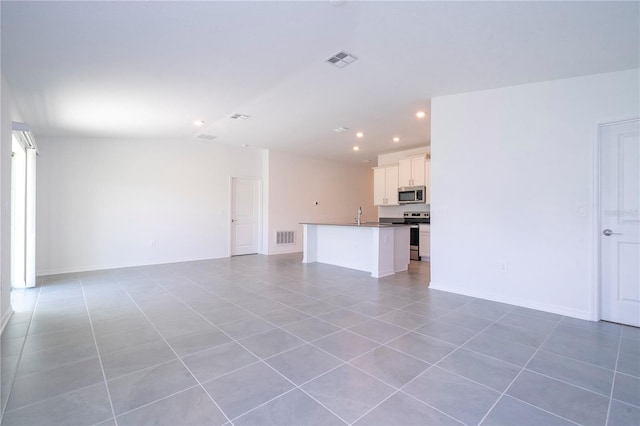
x,y
260,340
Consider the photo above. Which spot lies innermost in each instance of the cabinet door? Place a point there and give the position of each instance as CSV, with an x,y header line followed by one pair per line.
x,y
417,170
379,186
404,172
425,244
392,186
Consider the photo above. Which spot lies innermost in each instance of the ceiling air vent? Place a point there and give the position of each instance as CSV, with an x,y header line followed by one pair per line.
x,y
341,59
205,136
239,116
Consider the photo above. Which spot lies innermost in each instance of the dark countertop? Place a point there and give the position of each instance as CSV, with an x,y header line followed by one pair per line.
x,y
362,225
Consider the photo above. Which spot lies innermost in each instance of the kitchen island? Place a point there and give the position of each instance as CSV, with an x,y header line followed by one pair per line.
x,y
382,249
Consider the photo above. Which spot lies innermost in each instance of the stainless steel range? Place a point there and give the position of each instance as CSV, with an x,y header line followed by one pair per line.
x,y
415,219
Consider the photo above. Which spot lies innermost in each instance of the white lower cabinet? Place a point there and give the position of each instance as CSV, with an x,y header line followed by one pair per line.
x,y
425,241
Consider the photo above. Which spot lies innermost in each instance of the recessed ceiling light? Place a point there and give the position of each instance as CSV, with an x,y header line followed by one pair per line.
x,y
420,114
198,123
341,129
396,139
356,148
366,161
239,116
245,145
359,134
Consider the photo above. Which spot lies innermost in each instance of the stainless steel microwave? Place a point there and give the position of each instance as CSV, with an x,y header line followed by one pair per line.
x,y
411,194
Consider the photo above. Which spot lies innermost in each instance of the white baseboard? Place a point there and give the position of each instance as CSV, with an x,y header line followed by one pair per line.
x,y
554,309
383,274
74,269
281,250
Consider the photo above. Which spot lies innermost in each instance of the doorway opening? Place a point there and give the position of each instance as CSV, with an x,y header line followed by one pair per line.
x,y
23,207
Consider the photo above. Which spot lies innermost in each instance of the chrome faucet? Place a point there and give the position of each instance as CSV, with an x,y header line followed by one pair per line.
x,y
359,218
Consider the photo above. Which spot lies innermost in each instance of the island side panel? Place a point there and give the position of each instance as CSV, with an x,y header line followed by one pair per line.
x,y
401,250
346,246
310,244
383,252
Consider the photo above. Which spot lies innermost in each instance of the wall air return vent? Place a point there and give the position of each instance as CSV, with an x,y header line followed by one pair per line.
x,y
285,237
341,59
205,136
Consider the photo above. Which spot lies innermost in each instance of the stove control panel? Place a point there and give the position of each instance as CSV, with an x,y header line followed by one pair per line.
x,y
417,216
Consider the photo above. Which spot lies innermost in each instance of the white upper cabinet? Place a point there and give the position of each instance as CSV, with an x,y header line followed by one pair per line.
x,y
379,186
385,186
392,186
412,171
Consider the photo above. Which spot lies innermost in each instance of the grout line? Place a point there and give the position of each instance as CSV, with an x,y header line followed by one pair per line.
x,y
277,372
613,383
520,373
552,377
159,399
56,396
95,342
20,353
536,407
626,374
401,389
426,404
345,329
248,350
228,281
52,368
568,358
270,400
176,354
149,367
567,383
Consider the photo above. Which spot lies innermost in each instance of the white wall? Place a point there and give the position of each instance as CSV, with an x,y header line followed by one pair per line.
x,y
103,202
8,113
513,183
296,183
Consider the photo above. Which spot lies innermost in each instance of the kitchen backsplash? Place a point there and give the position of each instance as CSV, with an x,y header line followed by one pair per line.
x,y
398,211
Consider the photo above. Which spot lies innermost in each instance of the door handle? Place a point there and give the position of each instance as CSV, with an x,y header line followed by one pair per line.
x,y
233,220
609,232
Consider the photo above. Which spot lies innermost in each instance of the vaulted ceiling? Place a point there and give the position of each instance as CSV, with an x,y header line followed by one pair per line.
x,y
149,69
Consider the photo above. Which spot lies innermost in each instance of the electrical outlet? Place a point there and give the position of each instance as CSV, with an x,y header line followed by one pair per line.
x,y
153,243
504,267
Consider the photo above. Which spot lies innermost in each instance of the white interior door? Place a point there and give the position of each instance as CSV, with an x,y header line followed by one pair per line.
x,y
245,216
620,222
